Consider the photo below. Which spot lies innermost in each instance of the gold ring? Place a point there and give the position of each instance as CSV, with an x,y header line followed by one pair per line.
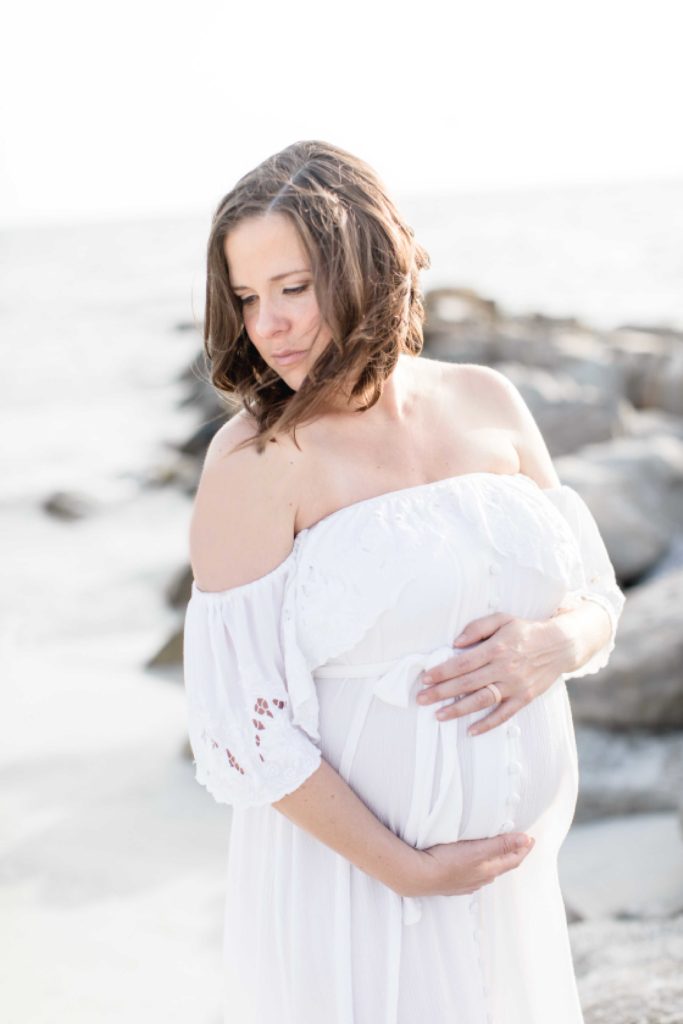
x,y
497,695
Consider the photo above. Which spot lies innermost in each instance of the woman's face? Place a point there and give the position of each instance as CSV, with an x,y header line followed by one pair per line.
x,y
270,273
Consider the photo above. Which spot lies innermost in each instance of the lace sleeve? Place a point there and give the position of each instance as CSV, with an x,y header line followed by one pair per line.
x,y
247,748
599,581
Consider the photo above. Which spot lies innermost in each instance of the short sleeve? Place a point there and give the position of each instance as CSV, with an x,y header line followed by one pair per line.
x,y
248,748
597,577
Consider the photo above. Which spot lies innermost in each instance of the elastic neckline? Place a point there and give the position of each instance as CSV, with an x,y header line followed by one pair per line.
x,y
416,488
208,595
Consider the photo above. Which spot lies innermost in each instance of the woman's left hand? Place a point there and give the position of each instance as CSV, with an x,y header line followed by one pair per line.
x,y
523,657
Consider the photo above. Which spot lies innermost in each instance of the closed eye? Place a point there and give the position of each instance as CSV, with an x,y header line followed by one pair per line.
x,y
248,301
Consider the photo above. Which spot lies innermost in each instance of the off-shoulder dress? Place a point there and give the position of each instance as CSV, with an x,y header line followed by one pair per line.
x,y
321,658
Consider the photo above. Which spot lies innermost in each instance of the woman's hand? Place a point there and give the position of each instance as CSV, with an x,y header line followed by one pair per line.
x,y
522,657
452,869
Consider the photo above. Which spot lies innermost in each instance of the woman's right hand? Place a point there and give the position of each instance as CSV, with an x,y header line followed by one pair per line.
x,y
452,869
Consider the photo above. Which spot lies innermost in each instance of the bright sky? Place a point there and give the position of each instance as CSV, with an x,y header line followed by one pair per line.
x,y
154,107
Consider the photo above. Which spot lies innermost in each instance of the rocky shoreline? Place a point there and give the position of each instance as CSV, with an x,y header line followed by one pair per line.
x,y
610,406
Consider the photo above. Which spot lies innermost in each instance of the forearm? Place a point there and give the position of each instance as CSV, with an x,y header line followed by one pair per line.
x,y
326,807
584,628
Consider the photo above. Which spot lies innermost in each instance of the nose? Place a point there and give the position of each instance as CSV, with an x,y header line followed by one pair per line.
x,y
269,319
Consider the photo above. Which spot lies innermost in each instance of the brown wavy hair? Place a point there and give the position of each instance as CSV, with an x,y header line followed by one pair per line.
x,y
365,264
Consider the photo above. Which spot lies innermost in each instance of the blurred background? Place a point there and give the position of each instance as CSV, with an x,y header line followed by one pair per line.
x,y
533,148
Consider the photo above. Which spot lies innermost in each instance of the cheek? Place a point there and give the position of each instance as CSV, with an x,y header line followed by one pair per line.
x,y
247,316
310,320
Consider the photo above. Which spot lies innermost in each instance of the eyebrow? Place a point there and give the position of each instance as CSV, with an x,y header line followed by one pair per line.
x,y
278,277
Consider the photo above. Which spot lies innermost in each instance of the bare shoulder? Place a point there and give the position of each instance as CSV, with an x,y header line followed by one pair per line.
x,y
491,400
242,523
477,381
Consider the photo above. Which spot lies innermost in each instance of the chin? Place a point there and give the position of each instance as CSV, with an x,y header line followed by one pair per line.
x,y
295,380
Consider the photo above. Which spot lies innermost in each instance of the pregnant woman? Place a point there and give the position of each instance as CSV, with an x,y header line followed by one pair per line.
x,y
391,587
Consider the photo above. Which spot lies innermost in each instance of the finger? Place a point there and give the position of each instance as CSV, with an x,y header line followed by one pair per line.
x,y
469,683
477,629
510,861
477,701
512,852
505,710
455,667
431,692
500,845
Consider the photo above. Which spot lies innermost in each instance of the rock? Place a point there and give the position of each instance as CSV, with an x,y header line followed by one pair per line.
x,y
460,343
669,334
69,505
198,441
460,326
642,684
626,773
585,357
651,422
629,972
672,560
180,588
662,386
180,471
635,540
170,654
560,346
624,867
652,362
457,306
570,415
188,325
634,488
639,354
578,353
630,524
535,323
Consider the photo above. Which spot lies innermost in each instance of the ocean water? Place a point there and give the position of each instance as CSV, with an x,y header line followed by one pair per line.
x,y
608,254
95,791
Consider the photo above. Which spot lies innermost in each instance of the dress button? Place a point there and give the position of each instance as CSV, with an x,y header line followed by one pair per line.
x,y
514,768
513,729
507,826
514,798
494,568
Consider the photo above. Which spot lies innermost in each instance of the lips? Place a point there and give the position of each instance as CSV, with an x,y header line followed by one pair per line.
x,y
288,356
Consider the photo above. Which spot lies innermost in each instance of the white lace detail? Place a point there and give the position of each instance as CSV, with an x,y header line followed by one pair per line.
x,y
247,749
284,763
511,513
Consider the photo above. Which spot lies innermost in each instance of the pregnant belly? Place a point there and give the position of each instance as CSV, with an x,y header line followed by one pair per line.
x,y
431,783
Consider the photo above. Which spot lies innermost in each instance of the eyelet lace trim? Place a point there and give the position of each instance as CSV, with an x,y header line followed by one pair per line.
x,y
285,758
261,707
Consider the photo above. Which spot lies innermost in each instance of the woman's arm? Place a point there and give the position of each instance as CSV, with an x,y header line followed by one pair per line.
x,y
326,807
583,630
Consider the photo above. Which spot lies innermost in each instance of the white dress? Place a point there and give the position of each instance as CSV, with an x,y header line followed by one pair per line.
x,y
321,657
